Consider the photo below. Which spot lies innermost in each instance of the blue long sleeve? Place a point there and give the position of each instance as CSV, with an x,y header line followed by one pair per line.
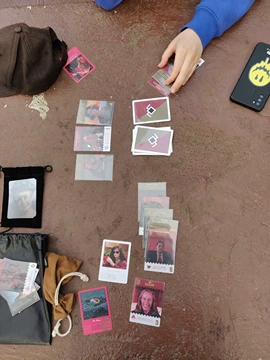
x,y
108,4
213,17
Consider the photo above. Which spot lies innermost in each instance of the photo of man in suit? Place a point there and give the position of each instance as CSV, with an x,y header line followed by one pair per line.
x,y
159,256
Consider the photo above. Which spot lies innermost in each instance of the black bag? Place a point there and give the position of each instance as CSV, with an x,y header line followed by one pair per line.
x,y
23,196
32,325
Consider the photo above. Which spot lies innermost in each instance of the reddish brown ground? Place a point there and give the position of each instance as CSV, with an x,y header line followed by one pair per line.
x,y
216,305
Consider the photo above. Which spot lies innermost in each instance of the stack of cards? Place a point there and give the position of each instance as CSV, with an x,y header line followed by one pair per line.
x,y
17,284
94,138
158,80
150,140
157,227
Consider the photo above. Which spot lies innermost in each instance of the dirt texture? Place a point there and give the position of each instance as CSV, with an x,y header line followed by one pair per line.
x,y
216,305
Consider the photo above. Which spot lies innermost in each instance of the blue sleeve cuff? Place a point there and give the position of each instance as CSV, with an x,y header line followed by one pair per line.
x,y
205,25
108,4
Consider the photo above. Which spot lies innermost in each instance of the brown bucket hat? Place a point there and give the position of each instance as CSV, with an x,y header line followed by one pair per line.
x,y
31,59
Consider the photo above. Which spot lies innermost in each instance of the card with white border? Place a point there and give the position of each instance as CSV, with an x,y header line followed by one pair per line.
x,y
134,152
147,302
152,140
114,261
151,110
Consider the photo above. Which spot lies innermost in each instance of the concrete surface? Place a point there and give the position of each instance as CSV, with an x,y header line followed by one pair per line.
x,y
216,305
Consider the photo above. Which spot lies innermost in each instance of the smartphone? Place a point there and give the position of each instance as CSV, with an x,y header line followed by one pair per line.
x,y
253,87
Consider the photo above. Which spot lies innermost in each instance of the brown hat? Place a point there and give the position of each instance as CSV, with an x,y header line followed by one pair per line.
x,y
30,59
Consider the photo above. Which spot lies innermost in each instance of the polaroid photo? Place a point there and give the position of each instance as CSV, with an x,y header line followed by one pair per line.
x,y
114,261
147,302
94,167
151,110
22,199
93,112
160,245
150,213
78,66
157,202
150,189
152,140
95,310
92,138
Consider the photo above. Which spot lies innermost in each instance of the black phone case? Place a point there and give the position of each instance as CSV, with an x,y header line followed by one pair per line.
x,y
253,87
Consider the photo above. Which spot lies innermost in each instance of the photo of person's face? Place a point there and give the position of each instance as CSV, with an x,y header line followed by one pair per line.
x,y
25,199
92,112
160,247
147,301
22,199
116,253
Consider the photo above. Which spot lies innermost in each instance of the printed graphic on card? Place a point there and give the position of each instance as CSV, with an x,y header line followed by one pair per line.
x,y
78,66
94,167
152,140
22,199
95,310
151,110
147,153
17,276
92,138
149,214
150,189
147,302
161,245
93,112
157,202
114,261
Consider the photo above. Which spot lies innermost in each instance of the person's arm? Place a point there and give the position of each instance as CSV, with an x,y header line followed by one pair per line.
x,y
121,265
211,19
108,4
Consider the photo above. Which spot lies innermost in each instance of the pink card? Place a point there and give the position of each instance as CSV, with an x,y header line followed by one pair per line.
x,y
95,310
78,66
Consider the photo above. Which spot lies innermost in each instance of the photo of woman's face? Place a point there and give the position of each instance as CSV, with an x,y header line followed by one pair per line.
x,y
25,199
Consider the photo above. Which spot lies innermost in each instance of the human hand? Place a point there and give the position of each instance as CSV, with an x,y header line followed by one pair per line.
x,y
188,49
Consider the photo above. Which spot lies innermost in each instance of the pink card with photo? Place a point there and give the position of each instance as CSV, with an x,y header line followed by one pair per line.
x,y
152,140
147,302
78,66
151,110
95,310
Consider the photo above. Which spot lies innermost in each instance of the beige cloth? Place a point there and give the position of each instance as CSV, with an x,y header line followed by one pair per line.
x,y
58,266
